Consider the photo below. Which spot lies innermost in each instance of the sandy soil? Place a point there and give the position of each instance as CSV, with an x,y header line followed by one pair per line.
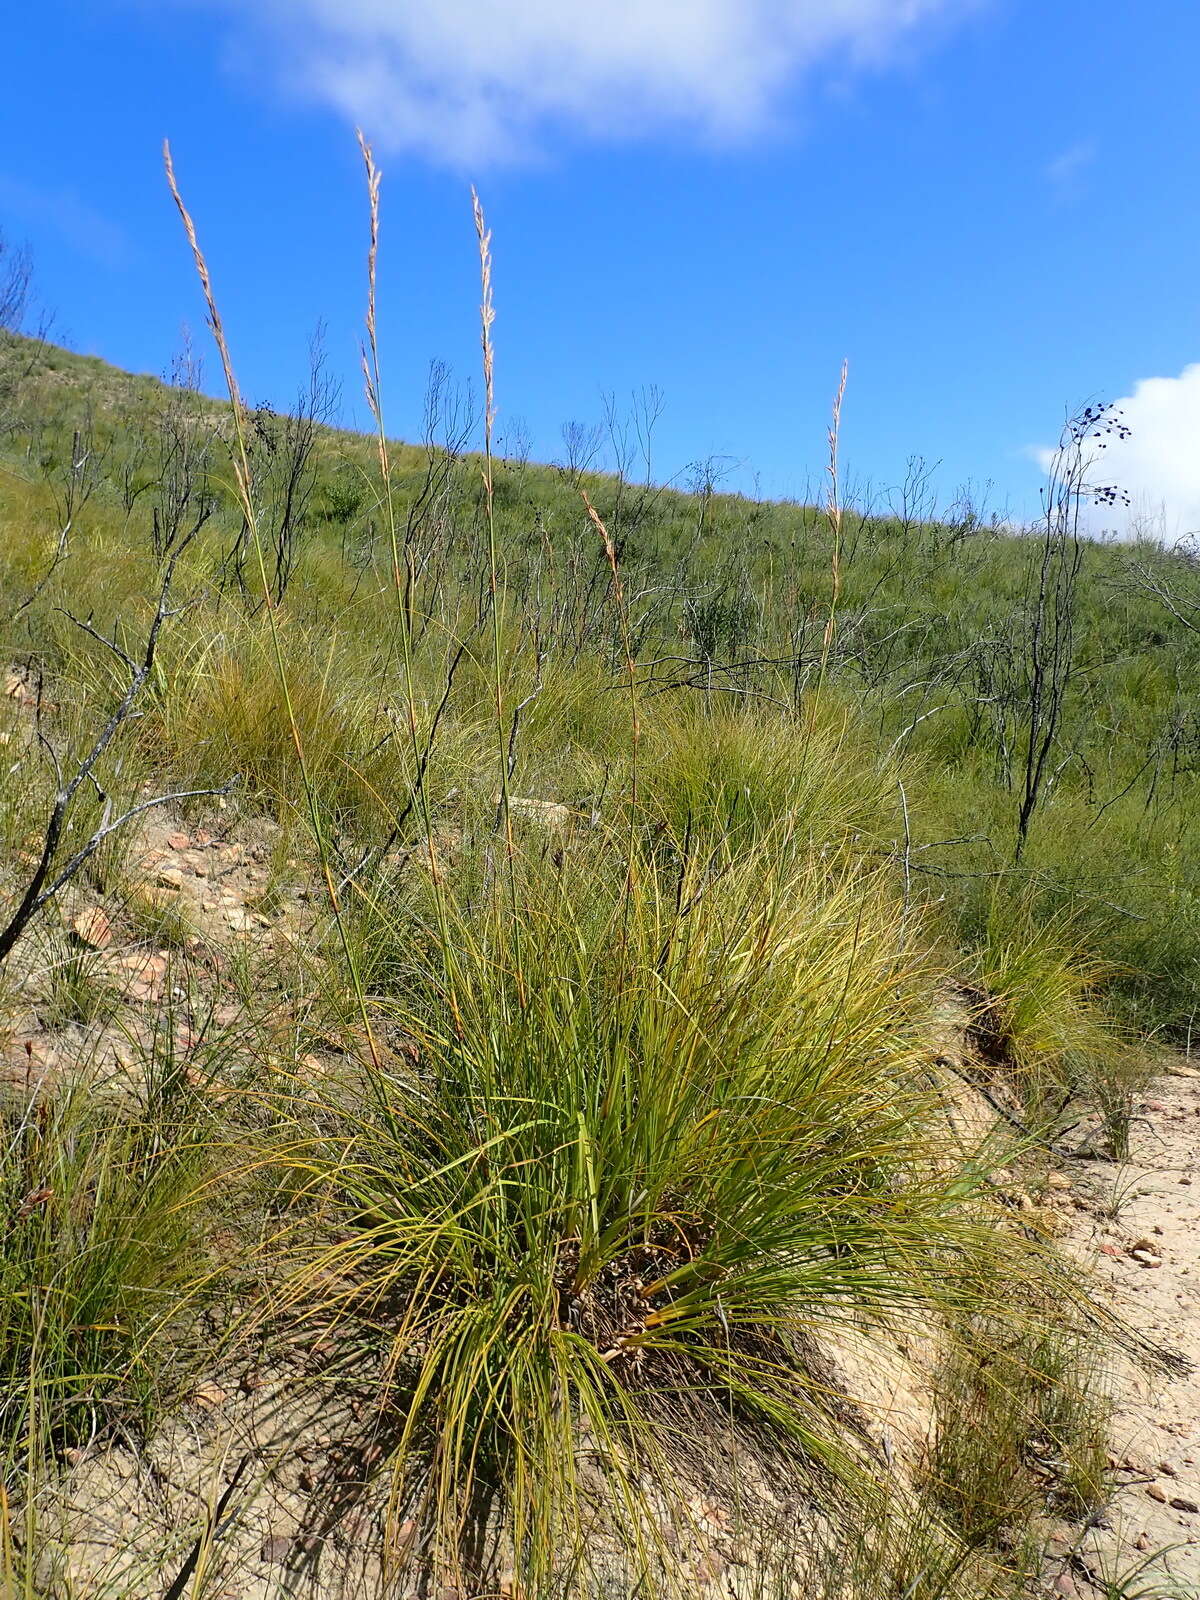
x,y
1140,1233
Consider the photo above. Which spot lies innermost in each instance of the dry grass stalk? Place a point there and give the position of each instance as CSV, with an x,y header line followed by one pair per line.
x,y
833,515
242,474
403,582
487,316
371,369
622,610
241,464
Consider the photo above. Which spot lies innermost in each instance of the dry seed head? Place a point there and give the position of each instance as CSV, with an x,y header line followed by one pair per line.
x,y
369,353
599,524
368,382
189,228
610,552
487,312
833,513
242,461
370,365
834,431
373,178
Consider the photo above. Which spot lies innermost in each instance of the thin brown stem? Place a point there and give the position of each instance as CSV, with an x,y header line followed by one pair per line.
x,y
833,517
244,480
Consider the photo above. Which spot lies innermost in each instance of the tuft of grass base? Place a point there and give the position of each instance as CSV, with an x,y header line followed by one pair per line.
x,y
1022,1428
648,1129
101,1203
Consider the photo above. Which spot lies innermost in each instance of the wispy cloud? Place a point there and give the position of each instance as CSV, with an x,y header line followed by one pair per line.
x,y
1158,465
1066,172
65,212
469,82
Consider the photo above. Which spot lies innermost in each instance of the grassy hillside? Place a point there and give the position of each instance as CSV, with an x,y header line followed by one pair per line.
x,y
930,657
617,852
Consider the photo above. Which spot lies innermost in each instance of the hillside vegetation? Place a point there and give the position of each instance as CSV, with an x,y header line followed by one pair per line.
x,y
657,925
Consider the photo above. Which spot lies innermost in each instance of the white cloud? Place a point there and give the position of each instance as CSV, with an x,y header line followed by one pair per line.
x,y
483,81
1158,465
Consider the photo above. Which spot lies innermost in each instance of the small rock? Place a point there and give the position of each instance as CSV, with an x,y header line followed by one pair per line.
x,y
1110,1250
710,1567
1065,1584
1142,1542
276,1547
209,1395
169,878
1181,1503
178,841
1167,1470
1156,1493
711,1512
92,927
1057,1180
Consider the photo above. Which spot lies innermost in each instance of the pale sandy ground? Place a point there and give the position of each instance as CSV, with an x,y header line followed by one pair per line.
x,y
1157,1426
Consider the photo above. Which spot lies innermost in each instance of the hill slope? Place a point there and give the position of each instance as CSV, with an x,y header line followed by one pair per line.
x,y
512,1022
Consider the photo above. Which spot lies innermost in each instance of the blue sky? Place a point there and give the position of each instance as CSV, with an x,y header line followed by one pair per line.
x,y
991,208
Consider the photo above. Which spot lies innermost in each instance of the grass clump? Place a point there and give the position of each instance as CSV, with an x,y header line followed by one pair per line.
x,y
649,1132
1043,1019
1022,1429
75,985
100,1207
736,773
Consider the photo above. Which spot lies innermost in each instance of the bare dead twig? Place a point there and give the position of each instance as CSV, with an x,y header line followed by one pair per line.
x,y
79,482
417,792
214,1527
46,882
